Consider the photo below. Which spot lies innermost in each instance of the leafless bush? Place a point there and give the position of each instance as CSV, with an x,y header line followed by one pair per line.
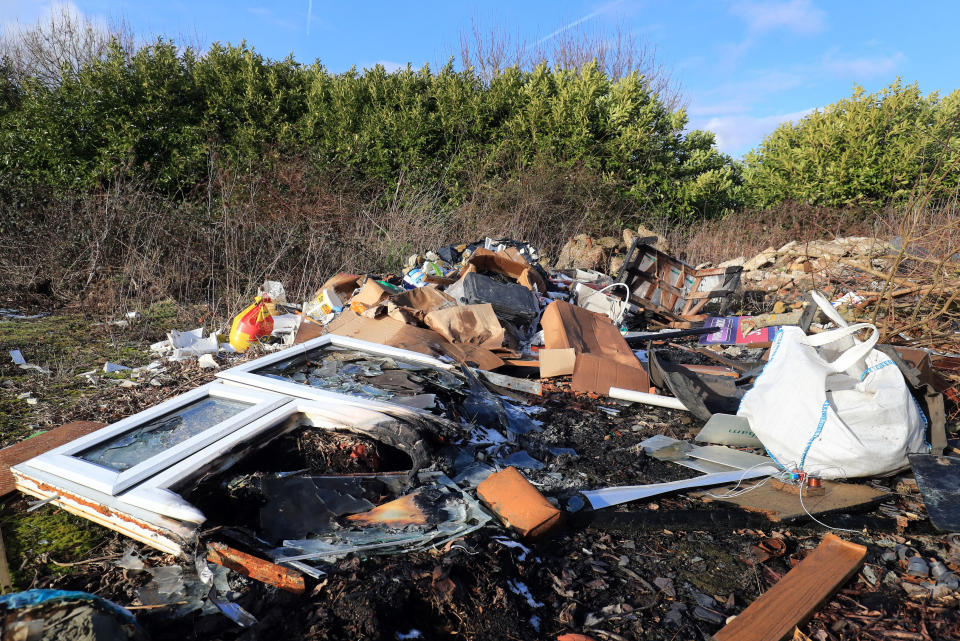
x,y
60,42
747,233
490,49
123,247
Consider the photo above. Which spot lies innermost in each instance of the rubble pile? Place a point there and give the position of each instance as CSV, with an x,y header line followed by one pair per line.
x,y
492,443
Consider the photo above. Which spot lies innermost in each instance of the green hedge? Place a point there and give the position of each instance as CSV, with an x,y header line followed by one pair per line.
x,y
866,150
161,112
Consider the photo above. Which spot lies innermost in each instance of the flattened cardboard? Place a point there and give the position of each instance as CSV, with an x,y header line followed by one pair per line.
x,y
309,329
423,299
487,261
467,324
388,331
566,326
372,294
557,362
342,284
597,374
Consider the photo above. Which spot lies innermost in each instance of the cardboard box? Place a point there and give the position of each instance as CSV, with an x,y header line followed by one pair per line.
x,y
557,362
373,293
567,326
597,375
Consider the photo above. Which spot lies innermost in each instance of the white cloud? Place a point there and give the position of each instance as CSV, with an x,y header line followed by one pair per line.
x,y
798,16
736,133
390,65
866,67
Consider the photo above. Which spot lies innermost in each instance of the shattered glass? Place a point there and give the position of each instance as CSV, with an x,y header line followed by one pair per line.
x,y
363,374
437,510
181,587
159,434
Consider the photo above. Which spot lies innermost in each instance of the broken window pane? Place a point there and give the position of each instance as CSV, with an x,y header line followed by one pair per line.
x,y
162,433
364,374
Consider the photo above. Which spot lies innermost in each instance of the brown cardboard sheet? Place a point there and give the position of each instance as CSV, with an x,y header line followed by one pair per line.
x,y
342,284
557,362
485,260
566,326
423,299
388,331
597,374
467,324
372,294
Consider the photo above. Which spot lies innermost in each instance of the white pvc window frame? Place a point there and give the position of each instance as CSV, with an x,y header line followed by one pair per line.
x,y
65,461
245,374
155,493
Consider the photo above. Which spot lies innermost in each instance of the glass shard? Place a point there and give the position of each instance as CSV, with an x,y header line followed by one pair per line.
x,y
162,433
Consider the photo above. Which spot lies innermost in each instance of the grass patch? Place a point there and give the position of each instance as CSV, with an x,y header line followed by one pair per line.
x,y
49,533
67,345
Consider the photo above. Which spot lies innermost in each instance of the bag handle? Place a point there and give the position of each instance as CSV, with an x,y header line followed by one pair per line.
x,y
828,310
856,353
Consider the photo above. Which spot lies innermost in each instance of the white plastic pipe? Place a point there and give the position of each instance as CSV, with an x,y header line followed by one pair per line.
x,y
647,399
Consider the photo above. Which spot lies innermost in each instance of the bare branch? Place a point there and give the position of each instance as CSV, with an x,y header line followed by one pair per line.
x,y
59,43
616,50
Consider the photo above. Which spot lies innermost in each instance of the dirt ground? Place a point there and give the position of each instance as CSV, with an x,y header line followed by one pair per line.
x,y
673,567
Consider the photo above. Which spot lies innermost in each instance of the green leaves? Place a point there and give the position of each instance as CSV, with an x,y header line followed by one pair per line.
x,y
160,112
864,151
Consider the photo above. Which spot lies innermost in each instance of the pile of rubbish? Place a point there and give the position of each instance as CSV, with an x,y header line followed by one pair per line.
x,y
444,407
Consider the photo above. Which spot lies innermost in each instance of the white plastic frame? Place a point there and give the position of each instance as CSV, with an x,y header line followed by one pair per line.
x,y
244,374
155,495
64,462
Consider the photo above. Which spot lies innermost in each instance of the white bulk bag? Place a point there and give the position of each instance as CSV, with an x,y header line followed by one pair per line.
x,y
846,417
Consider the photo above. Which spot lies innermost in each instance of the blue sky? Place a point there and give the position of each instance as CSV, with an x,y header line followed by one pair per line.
x,y
744,66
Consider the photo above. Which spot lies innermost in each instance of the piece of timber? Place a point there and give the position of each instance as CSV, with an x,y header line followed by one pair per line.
x,y
36,445
799,594
5,583
256,568
784,507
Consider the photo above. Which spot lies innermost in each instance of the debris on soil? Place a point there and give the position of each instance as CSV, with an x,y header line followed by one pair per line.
x,y
414,455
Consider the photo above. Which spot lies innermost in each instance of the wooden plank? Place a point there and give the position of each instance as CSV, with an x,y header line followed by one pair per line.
x,y
799,594
6,584
780,506
37,445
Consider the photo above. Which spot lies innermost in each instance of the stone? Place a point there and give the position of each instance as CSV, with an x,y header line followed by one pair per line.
x,y
661,242
788,247
616,263
766,258
733,262
628,236
581,252
609,242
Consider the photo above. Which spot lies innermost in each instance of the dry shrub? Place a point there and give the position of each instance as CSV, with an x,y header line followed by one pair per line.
x,y
918,297
749,232
123,247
